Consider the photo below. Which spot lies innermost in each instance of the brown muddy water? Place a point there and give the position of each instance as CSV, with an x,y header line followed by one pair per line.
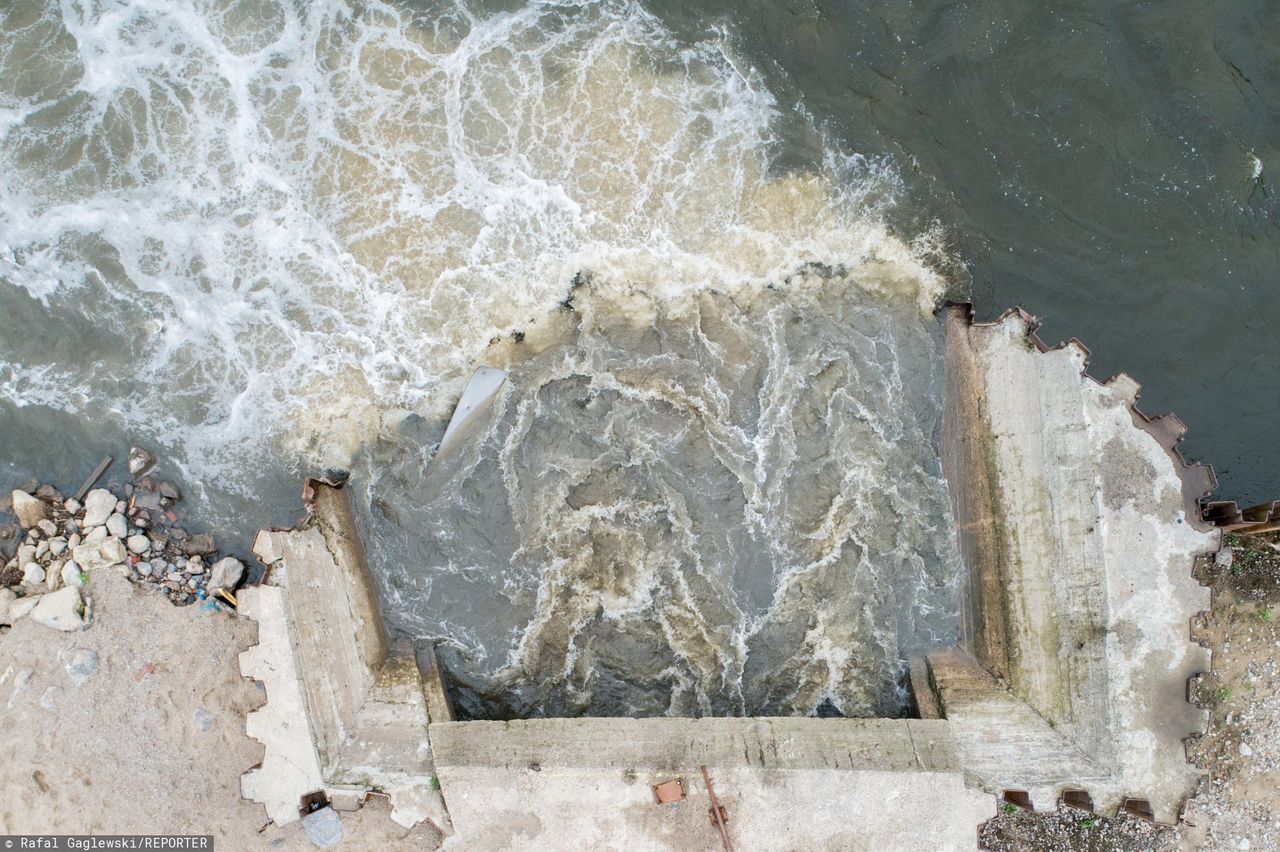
x,y
265,238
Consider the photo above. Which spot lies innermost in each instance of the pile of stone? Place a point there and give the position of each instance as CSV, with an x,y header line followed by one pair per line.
x,y
61,542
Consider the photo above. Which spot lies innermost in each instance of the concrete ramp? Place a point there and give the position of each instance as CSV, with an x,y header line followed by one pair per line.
x,y
1079,526
346,713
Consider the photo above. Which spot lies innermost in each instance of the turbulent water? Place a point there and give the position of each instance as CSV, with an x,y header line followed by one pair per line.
x,y
268,237
698,504
265,238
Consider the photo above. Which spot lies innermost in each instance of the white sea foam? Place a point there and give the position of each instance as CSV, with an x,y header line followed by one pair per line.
x,y
327,208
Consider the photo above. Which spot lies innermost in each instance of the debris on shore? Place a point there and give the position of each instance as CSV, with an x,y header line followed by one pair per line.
x,y
58,541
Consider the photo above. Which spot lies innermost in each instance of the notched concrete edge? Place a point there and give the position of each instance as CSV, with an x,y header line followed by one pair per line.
x,y
346,712
1001,564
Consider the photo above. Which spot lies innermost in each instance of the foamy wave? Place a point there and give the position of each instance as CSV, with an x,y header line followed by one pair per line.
x,y
275,209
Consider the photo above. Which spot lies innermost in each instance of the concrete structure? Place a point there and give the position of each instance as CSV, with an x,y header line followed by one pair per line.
x,y
1079,524
551,784
344,716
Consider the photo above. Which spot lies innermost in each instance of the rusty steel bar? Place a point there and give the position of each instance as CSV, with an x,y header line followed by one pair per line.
x,y
715,811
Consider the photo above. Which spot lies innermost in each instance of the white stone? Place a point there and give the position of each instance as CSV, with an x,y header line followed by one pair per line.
x,y
26,553
30,510
71,575
82,665
139,544
225,573
1245,751
72,505
7,597
92,556
42,549
57,546
22,606
73,541
139,460
95,535
98,506
48,527
117,525
53,577
32,574
60,610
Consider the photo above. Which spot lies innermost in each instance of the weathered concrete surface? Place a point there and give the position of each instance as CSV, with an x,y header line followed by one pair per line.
x,y
350,719
290,767
821,784
897,745
1077,523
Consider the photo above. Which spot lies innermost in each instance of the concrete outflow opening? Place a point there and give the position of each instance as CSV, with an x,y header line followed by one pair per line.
x,y
1078,522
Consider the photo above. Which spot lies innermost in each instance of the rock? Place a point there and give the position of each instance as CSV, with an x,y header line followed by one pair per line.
x,y
7,597
174,577
204,719
94,555
139,544
170,491
72,506
224,574
198,545
143,568
32,574
113,550
11,575
49,494
26,553
1245,751
195,565
48,527
60,610
30,510
118,526
71,575
42,550
82,665
95,535
99,504
22,606
323,827
73,541
53,577
57,546
140,461
8,540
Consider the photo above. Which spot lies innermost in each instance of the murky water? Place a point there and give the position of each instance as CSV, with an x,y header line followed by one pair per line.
x,y
698,504
267,237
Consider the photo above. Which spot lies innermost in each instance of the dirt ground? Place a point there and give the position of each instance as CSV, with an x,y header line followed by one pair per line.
x,y
1237,804
153,741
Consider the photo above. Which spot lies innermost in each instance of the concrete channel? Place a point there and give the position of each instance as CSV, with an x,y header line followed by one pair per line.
x,y
1079,524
